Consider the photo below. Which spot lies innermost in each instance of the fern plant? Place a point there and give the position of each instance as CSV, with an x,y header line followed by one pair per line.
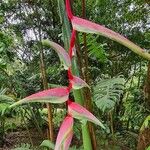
x,y
95,49
23,146
107,93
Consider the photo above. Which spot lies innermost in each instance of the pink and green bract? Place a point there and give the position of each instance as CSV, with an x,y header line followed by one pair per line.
x,y
79,112
63,55
65,134
78,83
56,95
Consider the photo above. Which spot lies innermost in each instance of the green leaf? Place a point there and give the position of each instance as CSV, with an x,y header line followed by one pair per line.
x,y
6,99
146,123
148,148
48,144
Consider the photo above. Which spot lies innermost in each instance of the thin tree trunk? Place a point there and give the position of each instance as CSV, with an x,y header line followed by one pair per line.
x,y
45,85
87,92
144,135
44,80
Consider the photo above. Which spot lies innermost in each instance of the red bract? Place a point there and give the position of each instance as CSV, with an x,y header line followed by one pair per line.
x,y
78,83
56,95
65,133
86,26
63,55
79,112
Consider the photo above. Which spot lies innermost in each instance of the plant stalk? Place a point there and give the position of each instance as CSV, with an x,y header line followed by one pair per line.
x,y
44,80
78,94
87,92
49,107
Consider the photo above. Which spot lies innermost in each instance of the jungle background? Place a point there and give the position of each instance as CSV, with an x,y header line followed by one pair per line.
x,y
119,79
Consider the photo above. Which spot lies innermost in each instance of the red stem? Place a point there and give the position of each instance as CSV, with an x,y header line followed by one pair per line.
x,y
72,43
70,77
68,9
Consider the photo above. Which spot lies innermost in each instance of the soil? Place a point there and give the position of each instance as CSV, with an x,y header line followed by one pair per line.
x,y
15,139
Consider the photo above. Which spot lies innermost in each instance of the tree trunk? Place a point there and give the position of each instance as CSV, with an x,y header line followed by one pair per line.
x,y
44,80
87,92
144,135
45,85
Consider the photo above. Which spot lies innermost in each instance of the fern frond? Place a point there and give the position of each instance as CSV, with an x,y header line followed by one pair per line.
x,y
107,93
95,49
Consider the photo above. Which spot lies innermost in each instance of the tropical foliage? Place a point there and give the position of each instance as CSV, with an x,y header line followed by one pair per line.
x,y
62,67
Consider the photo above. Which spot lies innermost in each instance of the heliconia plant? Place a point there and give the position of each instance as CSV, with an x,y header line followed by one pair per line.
x,y
61,94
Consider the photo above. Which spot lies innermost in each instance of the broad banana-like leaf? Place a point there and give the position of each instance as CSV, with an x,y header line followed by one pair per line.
x,y
56,95
62,53
77,111
78,83
65,133
86,26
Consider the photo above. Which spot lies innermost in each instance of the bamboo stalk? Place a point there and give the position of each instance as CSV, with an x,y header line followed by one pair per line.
x,y
48,105
44,80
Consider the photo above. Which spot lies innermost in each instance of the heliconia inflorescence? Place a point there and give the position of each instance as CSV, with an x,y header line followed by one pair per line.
x,y
61,94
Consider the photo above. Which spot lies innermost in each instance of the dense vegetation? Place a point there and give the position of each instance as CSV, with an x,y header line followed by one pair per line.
x,y
119,79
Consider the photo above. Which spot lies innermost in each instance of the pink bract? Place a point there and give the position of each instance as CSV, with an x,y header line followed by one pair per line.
x,y
62,53
56,95
79,112
65,134
86,26
78,83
